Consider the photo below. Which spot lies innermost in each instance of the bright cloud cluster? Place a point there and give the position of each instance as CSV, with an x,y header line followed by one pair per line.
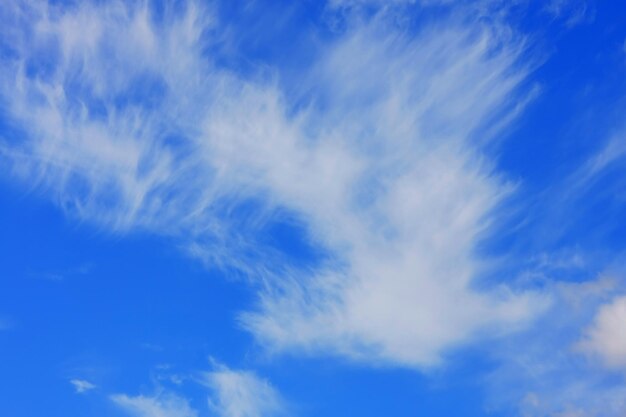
x,y
606,337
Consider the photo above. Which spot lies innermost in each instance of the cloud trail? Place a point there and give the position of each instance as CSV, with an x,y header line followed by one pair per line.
x,y
135,125
231,393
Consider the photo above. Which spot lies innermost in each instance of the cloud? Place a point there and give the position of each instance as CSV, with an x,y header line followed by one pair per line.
x,y
242,394
81,385
137,126
84,103
63,274
606,336
585,203
164,405
409,198
571,12
607,157
546,371
379,3
231,393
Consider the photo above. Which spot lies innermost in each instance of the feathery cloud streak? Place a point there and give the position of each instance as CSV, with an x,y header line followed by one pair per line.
x,y
232,393
242,394
81,386
164,405
134,124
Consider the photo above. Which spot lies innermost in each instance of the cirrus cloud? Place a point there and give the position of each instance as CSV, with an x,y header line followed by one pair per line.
x,y
137,126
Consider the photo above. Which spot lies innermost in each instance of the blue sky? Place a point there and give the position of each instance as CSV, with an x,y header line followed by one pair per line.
x,y
353,207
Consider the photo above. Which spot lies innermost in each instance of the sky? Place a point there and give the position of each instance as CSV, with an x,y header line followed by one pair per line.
x,y
254,208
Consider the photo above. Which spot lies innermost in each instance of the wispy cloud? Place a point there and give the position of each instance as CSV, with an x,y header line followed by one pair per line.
x,y
383,168
584,201
242,394
612,152
63,274
377,156
163,405
81,385
549,371
231,393
410,193
572,12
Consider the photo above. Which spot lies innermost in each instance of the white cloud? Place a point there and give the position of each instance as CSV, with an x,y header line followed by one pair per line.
x,y
407,198
572,12
383,168
242,394
606,337
543,372
612,152
231,393
163,405
353,3
81,386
